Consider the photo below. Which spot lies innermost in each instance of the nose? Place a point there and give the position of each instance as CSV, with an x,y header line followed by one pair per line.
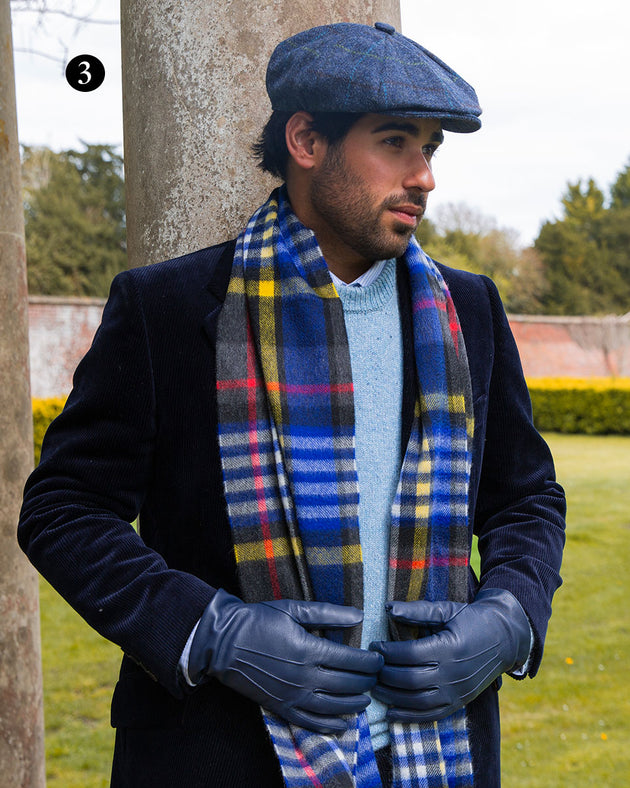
x,y
419,175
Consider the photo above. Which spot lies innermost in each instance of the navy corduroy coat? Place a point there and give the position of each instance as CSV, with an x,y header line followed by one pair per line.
x,y
138,436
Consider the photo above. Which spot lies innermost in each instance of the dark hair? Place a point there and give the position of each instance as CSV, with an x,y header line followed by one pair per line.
x,y
271,148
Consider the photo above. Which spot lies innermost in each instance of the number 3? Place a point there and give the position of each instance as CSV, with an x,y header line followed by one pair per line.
x,y
85,73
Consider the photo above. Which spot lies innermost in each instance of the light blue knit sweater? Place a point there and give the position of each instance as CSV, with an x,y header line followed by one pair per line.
x,y
374,334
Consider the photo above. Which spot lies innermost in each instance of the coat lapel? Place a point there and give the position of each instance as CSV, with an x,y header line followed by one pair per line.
x,y
217,288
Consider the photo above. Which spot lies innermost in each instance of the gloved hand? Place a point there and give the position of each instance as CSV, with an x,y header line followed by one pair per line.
x,y
263,651
430,678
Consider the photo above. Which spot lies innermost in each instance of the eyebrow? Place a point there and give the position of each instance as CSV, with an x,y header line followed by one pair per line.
x,y
409,128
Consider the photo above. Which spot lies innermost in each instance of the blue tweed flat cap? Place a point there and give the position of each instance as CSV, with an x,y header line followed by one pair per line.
x,y
357,68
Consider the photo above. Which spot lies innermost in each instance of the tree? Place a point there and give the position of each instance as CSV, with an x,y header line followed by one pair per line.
x,y
74,219
42,41
586,253
463,238
620,190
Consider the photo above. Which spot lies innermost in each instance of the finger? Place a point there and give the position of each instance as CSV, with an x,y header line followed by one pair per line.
x,y
399,652
416,677
320,615
339,682
336,656
422,613
426,700
432,649
410,715
319,723
335,705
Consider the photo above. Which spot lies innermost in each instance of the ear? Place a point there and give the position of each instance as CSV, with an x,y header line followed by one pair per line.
x,y
305,145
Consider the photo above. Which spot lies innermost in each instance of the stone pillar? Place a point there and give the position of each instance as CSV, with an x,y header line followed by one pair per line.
x,y
21,716
194,101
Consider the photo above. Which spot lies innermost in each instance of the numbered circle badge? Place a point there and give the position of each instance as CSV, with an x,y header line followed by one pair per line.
x,y
85,73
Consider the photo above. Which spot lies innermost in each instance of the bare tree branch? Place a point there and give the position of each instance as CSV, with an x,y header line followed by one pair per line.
x,y
42,11
40,54
67,15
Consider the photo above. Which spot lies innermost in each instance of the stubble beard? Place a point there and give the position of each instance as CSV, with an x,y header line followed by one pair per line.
x,y
342,199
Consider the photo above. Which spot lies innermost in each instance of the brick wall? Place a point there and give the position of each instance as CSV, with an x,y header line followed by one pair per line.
x,y
573,347
61,330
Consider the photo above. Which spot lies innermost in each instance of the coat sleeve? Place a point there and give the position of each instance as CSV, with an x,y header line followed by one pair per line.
x,y
95,470
520,510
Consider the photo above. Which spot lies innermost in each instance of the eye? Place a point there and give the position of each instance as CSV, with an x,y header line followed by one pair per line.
x,y
395,142
430,150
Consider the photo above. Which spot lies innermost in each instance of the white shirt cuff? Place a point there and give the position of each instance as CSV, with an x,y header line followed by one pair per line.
x,y
183,660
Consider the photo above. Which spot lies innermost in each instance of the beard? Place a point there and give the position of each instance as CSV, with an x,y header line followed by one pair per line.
x,y
343,200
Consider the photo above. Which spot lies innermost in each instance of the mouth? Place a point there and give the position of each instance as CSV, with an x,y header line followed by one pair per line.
x,y
409,215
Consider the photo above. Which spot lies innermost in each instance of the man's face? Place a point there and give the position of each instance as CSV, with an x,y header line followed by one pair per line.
x,y
369,193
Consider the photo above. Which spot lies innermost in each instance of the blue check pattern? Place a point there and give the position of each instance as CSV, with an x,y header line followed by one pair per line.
x,y
286,436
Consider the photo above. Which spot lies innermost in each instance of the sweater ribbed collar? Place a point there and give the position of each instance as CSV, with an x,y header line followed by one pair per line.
x,y
369,297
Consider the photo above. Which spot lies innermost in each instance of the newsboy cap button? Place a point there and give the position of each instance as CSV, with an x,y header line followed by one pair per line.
x,y
385,27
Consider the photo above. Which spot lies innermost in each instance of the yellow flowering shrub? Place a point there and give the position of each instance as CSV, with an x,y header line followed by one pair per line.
x,y
44,411
596,406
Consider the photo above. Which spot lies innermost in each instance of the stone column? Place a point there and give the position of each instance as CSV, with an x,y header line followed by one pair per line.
x,y
194,102
21,716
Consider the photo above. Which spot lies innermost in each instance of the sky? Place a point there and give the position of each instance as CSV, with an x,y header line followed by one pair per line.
x,y
552,78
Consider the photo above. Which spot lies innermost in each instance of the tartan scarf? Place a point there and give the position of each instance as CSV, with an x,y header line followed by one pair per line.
x,y
286,436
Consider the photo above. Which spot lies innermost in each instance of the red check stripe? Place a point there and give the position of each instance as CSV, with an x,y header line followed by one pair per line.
x,y
227,385
453,324
423,563
309,389
308,769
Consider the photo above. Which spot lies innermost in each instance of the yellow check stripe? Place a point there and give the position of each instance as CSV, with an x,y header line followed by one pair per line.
x,y
258,551
333,556
281,547
457,403
266,288
327,290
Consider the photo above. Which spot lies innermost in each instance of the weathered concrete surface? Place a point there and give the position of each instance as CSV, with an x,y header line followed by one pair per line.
x,y
194,102
21,718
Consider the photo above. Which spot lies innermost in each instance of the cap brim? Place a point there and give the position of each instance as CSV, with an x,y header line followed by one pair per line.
x,y
461,124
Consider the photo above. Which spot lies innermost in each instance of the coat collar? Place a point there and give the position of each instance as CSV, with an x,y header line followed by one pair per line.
x,y
220,270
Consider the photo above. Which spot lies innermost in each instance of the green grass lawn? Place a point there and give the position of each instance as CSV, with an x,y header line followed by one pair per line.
x,y
80,670
569,727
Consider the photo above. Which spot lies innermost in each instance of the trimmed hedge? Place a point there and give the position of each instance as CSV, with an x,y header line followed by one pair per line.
x,y
597,406
44,411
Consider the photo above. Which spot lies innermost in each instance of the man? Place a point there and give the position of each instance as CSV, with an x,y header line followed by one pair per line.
x,y
309,461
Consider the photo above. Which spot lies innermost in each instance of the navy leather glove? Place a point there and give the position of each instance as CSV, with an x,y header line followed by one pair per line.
x,y
471,645
264,651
